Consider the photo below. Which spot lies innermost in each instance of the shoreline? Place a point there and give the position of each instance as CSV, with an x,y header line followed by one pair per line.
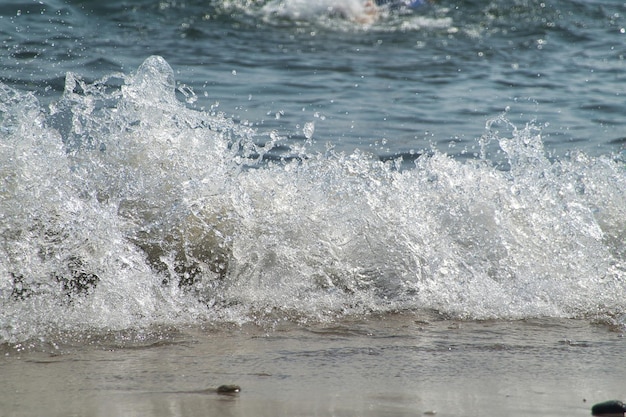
x,y
392,366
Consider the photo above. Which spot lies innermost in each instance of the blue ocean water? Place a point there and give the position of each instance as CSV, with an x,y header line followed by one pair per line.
x,y
175,162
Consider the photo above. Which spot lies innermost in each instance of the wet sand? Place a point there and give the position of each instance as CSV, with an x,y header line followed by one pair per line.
x,y
389,366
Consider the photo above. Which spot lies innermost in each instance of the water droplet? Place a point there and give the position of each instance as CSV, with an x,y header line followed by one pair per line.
x,y
308,130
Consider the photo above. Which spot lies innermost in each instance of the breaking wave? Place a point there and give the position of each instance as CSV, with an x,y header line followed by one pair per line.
x,y
122,207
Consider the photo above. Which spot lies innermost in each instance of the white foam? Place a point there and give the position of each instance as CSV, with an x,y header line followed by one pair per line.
x,y
169,209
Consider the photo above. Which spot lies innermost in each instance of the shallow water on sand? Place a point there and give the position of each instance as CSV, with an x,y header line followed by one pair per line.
x,y
396,365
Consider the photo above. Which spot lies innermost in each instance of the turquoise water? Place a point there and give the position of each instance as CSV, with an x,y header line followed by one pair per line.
x,y
181,162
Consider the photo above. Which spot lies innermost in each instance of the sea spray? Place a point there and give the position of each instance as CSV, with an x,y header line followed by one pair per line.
x,y
122,208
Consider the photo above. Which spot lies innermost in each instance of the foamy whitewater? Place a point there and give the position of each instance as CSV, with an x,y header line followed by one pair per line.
x,y
123,205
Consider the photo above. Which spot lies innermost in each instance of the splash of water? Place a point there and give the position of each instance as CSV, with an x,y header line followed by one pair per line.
x,y
123,208
354,10
344,15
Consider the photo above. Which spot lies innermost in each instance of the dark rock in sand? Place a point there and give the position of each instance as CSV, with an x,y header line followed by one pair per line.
x,y
228,389
609,408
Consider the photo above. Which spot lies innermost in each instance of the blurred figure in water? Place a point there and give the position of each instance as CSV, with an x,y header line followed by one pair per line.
x,y
372,8
360,11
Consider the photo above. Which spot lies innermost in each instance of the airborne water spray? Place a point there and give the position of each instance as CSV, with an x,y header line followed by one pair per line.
x,y
121,208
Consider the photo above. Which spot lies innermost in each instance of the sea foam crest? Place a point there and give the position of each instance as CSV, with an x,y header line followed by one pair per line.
x,y
121,207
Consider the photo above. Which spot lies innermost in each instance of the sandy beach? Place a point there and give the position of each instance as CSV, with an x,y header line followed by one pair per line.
x,y
389,366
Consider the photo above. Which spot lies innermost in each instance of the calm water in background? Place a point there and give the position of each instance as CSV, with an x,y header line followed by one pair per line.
x,y
406,82
196,165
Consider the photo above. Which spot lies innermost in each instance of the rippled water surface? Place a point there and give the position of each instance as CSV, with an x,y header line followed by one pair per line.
x,y
403,82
